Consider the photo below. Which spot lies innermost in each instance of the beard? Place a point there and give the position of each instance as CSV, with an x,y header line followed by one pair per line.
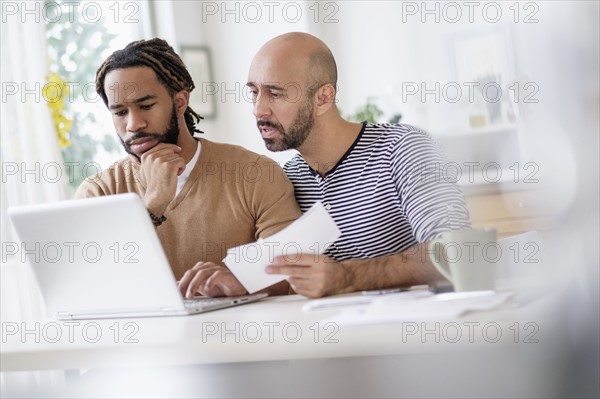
x,y
170,136
296,134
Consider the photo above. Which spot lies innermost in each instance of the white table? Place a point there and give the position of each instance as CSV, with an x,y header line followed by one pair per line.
x,y
274,348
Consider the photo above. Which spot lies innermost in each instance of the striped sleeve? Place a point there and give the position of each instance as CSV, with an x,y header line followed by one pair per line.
x,y
390,191
431,198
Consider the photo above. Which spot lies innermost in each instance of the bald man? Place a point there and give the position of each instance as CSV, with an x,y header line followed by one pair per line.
x,y
380,182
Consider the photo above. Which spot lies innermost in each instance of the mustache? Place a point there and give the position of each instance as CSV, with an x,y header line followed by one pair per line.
x,y
264,123
140,135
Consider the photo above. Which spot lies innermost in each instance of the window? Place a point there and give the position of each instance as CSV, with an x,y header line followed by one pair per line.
x,y
50,53
80,35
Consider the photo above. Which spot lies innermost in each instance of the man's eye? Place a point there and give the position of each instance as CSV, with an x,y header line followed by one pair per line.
x,y
275,94
146,106
120,113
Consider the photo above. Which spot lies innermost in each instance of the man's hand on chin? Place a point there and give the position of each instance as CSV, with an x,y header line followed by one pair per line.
x,y
159,168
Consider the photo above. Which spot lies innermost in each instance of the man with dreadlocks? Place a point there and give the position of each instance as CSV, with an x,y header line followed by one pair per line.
x,y
203,197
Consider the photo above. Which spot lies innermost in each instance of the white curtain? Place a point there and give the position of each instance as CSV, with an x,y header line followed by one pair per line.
x,y
28,145
30,153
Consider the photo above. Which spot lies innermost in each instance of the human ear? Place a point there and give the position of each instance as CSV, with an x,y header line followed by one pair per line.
x,y
325,97
181,100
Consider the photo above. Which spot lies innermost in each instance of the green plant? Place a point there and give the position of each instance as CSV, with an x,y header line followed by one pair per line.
x,y
75,48
369,112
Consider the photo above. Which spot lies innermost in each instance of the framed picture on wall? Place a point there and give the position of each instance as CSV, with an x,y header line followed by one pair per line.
x,y
198,61
483,55
485,61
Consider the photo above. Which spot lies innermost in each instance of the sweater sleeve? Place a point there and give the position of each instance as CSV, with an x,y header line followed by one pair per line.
x,y
120,177
272,198
88,189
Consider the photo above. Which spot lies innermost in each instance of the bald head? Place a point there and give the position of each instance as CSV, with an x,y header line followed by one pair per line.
x,y
306,55
311,51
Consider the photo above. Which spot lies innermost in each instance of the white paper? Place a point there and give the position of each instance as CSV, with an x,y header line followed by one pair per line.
x,y
395,309
312,233
345,301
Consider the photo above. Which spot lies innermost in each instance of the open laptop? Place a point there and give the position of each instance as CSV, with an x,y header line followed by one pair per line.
x,y
101,258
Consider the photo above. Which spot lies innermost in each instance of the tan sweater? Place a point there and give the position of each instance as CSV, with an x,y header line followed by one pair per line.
x,y
232,197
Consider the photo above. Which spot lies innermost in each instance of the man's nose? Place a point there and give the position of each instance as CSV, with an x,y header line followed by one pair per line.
x,y
261,107
135,121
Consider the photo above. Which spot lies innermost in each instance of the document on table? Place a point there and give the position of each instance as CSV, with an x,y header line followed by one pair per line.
x,y
312,233
399,308
343,302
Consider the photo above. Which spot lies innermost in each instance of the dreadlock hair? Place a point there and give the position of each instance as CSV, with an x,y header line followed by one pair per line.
x,y
159,55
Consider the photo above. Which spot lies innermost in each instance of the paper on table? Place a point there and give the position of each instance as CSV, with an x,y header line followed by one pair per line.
x,y
395,309
312,233
344,301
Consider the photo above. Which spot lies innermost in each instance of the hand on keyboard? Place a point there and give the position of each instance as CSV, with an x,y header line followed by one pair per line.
x,y
211,280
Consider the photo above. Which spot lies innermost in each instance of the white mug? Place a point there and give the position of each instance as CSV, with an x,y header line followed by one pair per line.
x,y
467,258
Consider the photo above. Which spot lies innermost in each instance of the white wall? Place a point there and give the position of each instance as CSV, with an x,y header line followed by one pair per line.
x,y
227,29
381,45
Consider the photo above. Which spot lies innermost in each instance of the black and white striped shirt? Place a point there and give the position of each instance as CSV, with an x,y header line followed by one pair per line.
x,y
390,191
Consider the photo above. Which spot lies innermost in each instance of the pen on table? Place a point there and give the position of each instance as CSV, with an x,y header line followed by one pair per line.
x,y
385,291
394,290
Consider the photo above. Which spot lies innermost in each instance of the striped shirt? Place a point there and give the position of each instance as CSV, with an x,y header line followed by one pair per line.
x,y
391,190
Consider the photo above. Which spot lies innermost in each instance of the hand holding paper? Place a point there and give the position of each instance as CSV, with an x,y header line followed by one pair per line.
x,y
312,233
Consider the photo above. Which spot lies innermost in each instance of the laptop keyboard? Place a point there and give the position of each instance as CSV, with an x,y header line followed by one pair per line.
x,y
190,303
